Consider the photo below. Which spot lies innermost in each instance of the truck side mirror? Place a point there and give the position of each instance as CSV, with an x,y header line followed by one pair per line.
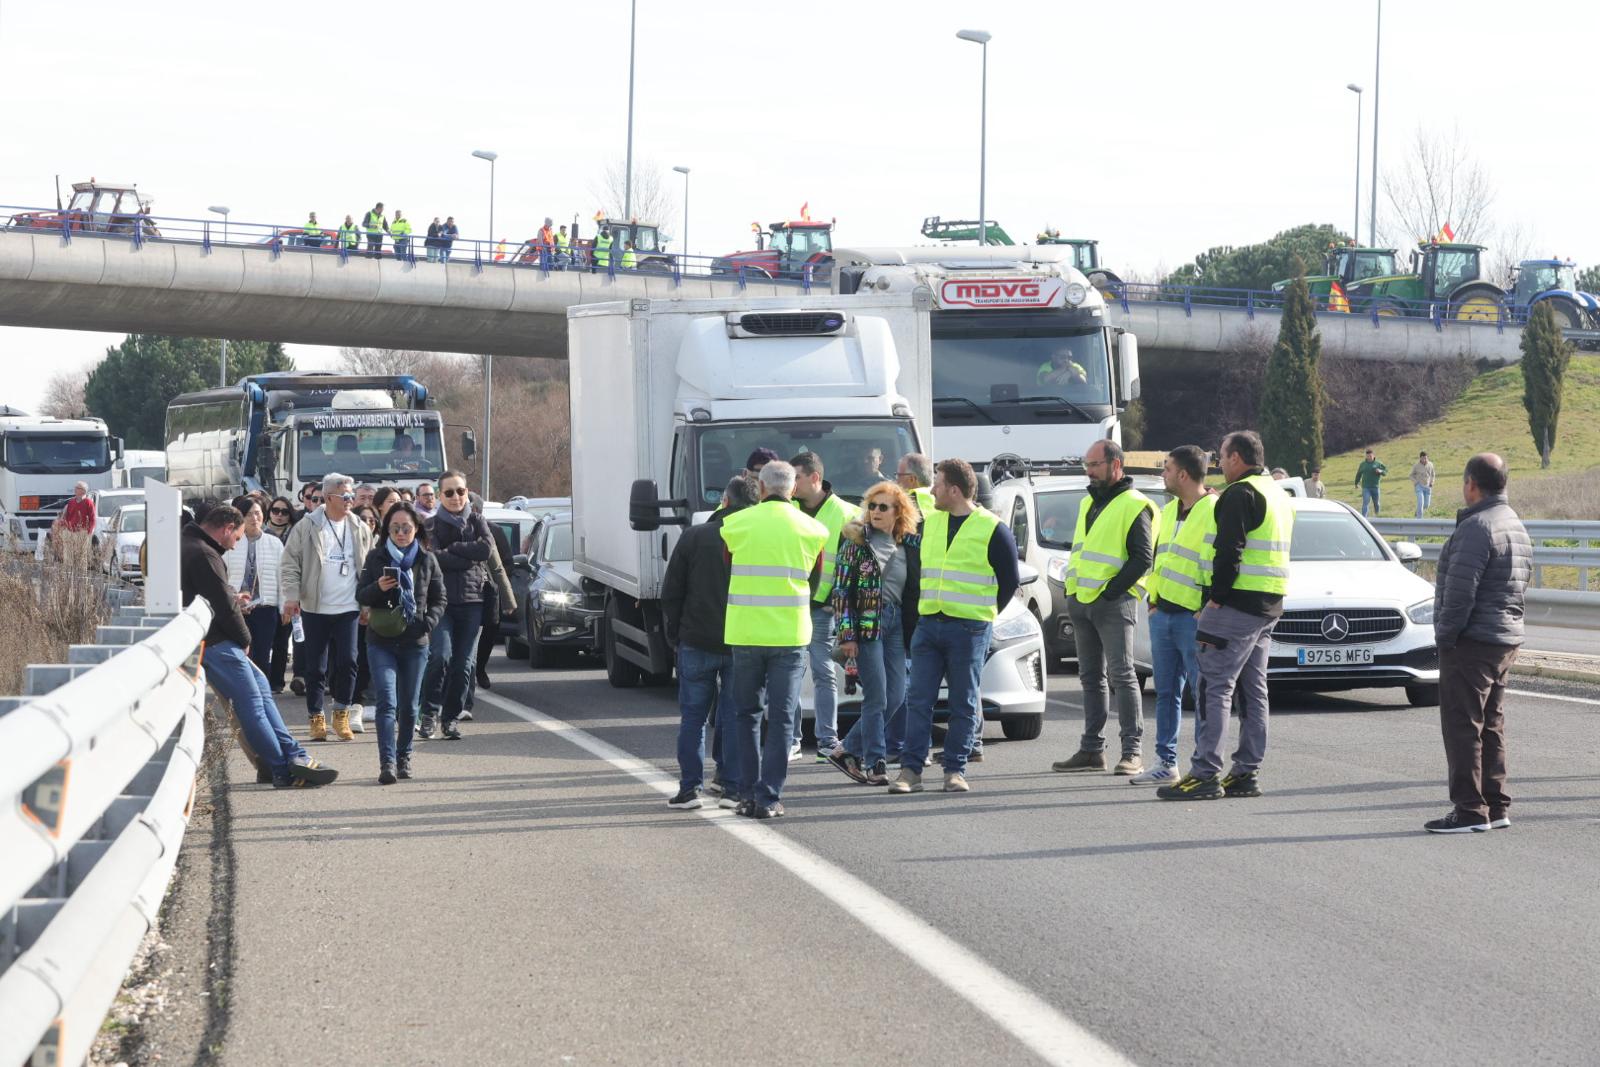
x,y
1128,366
469,444
644,514
116,448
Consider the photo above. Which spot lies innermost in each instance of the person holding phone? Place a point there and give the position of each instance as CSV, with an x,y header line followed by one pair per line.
x,y
402,587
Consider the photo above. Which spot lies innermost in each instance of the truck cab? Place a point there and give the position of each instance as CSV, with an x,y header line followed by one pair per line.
x,y
41,461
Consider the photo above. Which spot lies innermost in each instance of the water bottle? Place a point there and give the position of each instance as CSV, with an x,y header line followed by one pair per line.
x,y
299,630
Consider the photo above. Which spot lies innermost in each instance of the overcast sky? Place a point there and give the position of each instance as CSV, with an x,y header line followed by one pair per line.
x,y
1161,128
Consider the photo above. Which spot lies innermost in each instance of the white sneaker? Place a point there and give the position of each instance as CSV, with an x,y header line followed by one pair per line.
x,y
794,753
1160,774
357,725
369,714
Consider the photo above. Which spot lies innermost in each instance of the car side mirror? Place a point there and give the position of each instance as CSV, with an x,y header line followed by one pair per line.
x,y
1409,552
1027,574
521,560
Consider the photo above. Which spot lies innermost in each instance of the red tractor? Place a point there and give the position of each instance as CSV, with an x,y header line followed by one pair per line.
x,y
96,207
784,251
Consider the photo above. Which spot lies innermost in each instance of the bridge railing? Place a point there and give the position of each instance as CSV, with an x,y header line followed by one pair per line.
x,y
1556,543
96,786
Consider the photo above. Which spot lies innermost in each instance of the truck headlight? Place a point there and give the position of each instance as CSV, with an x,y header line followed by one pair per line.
x,y
1421,613
1076,293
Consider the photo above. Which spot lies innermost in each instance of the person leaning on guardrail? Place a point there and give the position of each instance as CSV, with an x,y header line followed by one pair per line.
x,y
280,759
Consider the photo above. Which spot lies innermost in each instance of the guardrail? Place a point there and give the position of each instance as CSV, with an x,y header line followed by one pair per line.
x,y
96,786
1577,544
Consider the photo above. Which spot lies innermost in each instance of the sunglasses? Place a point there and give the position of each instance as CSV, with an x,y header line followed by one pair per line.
x,y
347,497
278,511
880,505
455,492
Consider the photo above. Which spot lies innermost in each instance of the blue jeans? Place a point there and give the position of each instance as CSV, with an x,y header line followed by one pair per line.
x,y
1176,660
1369,495
397,683
330,656
703,677
946,650
230,672
881,663
764,766
452,658
824,682
1424,498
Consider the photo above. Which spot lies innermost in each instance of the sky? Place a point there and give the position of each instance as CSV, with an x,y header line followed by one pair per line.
x,y
1162,128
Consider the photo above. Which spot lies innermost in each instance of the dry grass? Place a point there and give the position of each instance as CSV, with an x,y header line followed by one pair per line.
x,y
47,607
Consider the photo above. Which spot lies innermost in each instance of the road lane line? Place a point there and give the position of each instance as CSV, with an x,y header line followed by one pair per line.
x,y
1053,1037
1550,696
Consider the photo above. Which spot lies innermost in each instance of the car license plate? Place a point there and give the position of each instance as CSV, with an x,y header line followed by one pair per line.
x,y
1333,657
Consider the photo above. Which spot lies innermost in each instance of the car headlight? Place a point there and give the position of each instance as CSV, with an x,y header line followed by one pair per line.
x,y
1056,569
130,551
1076,293
1421,613
1015,626
558,596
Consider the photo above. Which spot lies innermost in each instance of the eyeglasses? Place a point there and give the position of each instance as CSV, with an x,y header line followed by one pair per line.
x,y
278,511
455,492
347,497
880,505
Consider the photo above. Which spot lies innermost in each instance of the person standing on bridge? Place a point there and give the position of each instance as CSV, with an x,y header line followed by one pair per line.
x,y
432,242
1478,603
814,496
348,238
313,231
278,756
1111,553
447,238
321,562
563,249
600,256
1369,475
401,229
1249,575
376,226
462,541
1422,481
774,552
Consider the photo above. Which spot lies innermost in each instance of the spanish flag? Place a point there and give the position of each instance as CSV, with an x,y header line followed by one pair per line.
x,y
805,211
1337,300
1445,234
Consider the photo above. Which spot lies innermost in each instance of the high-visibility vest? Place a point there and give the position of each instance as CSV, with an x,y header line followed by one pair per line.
x,y
373,223
1099,553
1182,567
1264,563
922,497
400,228
547,236
833,514
774,547
312,229
347,235
956,577
602,250
629,259
563,242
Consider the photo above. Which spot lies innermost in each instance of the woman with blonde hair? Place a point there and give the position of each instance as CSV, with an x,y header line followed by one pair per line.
x,y
875,590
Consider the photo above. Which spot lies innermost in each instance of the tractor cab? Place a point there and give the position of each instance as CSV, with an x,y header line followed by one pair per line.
x,y
95,207
646,236
784,250
1085,253
1350,264
1535,276
1445,279
798,242
1445,268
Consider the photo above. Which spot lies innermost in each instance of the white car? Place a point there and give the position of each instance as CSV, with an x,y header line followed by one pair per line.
x,y
106,503
119,547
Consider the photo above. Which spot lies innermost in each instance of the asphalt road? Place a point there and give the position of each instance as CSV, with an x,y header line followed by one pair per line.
x,y
1562,639
530,899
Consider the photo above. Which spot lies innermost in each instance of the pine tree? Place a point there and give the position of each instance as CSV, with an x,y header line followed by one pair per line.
x,y
1545,355
1291,400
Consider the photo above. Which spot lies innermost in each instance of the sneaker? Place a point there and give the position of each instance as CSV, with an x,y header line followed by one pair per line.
x,y
1190,787
956,782
483,680
425,728
976,755
1128,765
686,800
714,789
311,773
879,775
1160,774
848,764
1457,823
1498,819
1081,760
386,775
341,725
775,811
297,686
795,753
747,808
465,716
357,726
1242,785
319,727
910,781
449,732
263,775
728,801
402,767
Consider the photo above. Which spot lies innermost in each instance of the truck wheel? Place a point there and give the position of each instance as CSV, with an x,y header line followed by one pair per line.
x,y
619,672
1022,727
1423,696
1568,315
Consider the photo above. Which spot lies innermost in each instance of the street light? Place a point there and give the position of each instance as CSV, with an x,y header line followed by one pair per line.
x,y
685,172
222,376
627,173
1355,228
981,37
1377,96
488,361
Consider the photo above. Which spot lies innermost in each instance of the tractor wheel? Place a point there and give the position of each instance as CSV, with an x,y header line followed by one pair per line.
x,y
1477,304
1389,309
1568,315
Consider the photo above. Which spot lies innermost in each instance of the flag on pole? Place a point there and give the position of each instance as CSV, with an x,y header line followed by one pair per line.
x,y
1446,233
805,212
1337,300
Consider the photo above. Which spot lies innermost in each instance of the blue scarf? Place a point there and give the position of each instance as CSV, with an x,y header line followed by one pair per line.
x,y
408,592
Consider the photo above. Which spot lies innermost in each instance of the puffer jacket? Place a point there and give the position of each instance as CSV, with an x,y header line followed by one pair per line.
x,y
1483,574
463,555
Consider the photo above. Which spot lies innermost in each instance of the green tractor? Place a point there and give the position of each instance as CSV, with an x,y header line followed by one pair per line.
x,y
1085,252
1448,277
1342,267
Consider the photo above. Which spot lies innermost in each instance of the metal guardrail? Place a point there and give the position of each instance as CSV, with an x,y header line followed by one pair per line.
x,y
95,792
1578,543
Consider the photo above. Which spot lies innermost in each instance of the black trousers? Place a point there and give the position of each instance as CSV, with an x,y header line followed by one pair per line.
x,y
1472,689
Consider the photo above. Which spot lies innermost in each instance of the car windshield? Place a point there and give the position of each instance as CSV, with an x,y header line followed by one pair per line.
x,y
1324,536
855,455
368,452
132,520
56,454
987,371
558,544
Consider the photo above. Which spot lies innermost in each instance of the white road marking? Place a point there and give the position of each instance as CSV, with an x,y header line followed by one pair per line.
x,y
1053,1037
1550,696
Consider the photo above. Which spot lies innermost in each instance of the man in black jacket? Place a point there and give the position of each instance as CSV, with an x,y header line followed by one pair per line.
x,y
202,573
461,541
694,599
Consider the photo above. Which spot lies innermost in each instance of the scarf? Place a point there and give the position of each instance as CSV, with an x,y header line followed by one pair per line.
x,y
458,521
408,593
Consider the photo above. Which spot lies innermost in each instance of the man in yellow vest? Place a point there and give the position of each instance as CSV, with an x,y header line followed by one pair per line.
x,y
1111,553
630,259
347,235
600,255
1178,580
775,557
813,494
400,228
915,474
969,572
1249,576
563,249
376,226
312,232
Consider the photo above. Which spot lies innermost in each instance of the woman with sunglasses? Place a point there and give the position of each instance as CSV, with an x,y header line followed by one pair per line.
x,y
877,571
463,543
402,587
253,564
280,518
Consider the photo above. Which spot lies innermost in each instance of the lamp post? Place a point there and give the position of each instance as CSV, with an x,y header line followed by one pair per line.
x,y
627,172
1377,96
222,376
488,361
1355,227
685,172
981,37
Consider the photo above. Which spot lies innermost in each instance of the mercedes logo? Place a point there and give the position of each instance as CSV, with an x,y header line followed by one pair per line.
x,y
1335,627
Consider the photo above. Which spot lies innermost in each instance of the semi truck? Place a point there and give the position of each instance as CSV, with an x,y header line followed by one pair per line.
x,y
41,461
280,430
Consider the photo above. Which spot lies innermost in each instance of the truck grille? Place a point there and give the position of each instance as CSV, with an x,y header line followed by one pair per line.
x,y
790,323
1362,626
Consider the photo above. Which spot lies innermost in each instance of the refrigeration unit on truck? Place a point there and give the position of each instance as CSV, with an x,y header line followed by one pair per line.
x,y
1023,357
41,461
278,431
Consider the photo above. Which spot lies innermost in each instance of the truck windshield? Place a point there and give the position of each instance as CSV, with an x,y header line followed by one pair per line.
x,y
56,454
855,455
989,367
367,452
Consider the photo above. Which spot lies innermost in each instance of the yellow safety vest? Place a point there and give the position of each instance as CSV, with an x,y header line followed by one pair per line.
x,y
629,259
373,223
1099,553
956,577
774,548
833,514
922,497
400,228
347,234
1264,563
1182,567
312,229
602,250
563,242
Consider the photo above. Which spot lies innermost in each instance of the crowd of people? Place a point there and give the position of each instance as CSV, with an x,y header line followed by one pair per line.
x,y
553,245
377,589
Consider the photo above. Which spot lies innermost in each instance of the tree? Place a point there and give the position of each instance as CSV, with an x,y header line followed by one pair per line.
x,y
1291,400
63,394
131,387
1589,279
1545,355
1439,182
651,200
1257,266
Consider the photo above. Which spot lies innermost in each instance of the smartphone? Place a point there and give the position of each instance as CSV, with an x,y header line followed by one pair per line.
x,y
392,572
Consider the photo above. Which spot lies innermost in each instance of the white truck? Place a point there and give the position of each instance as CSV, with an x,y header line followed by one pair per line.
x,y
135,465
1023,359
41,460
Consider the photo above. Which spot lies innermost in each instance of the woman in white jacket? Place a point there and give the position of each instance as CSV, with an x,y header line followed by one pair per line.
x,y
254,563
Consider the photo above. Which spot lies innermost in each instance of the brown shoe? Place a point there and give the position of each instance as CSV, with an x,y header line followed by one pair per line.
x,y
341,725
1128,765
319,728
1081,761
